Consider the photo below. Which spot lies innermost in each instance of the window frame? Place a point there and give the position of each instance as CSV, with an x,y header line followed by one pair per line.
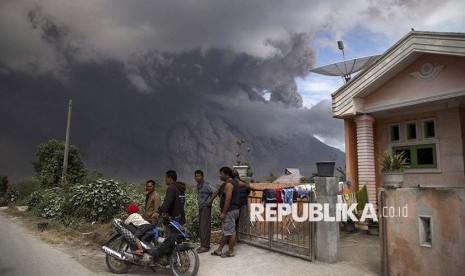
x,y
423,122
407,130
390,132
415,144
414,155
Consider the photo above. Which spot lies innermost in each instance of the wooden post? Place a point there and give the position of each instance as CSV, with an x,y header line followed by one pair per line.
x,y
65,159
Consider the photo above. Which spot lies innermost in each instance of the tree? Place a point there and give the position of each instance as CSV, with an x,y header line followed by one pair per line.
x,y
8,193
4,184
48,164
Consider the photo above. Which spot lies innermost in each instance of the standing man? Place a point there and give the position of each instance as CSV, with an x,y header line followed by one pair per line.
x,y
244,191
205,195
229,204
173,204
152,202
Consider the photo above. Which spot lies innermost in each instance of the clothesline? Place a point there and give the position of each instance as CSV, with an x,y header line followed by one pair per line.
x,y
286,195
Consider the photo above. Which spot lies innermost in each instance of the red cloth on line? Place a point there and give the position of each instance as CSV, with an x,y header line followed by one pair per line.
x,y
279,195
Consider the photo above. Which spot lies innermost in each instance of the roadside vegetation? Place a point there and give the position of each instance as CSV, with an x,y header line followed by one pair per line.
x,y
82,208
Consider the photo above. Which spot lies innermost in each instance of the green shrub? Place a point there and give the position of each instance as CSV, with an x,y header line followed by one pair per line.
x,y
136,197
47,203
393,161
8,193
10,197
48,164
99,200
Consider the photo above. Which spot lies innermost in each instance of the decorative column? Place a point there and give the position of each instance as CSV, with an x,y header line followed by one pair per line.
x,y
366,156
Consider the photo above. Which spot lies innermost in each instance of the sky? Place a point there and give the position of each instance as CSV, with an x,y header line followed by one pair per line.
x,y
241,62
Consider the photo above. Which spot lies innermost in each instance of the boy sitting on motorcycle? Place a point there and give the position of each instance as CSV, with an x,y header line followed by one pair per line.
x,y
141,224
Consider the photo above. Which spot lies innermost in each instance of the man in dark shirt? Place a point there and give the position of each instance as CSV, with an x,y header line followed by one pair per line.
x,y
244,191
229,204
173,204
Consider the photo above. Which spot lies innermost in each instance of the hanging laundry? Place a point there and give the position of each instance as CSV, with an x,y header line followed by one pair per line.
x,y
304,190
288,195
269,196
349,198
362,198
279,198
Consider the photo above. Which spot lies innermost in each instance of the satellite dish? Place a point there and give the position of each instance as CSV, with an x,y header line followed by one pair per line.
x,y
347,67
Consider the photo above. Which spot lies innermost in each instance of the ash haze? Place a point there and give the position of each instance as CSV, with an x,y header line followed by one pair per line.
x,y
160,85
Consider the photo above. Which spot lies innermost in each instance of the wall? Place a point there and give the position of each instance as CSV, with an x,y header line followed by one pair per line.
x,y
462,128
350,130
404,87
450,154
446,256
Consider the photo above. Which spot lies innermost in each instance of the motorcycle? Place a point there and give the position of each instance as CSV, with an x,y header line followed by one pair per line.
x,y
178,254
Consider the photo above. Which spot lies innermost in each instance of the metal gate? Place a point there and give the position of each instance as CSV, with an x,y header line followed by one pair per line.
x,y
287,236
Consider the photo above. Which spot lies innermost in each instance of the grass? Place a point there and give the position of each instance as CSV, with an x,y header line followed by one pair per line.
x,y
57,233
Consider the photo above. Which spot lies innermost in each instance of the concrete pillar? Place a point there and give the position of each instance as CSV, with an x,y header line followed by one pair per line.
x,y
350,130
327,232
366,156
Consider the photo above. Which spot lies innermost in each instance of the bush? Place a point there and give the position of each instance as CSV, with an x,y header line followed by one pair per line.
x,y
8,193
136,197
10,197
48,164
99,200
4,184
47,203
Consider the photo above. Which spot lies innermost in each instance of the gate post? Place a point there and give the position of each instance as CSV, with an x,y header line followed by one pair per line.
x,y
327,232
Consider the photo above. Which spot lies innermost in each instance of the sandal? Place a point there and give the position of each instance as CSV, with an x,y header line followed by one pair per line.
x,y
202,250
227,255
216,254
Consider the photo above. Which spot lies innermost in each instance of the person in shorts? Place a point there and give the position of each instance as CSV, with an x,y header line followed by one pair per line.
x,y
229,204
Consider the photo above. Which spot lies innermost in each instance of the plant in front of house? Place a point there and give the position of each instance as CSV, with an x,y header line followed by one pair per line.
x,y
393,161
393,165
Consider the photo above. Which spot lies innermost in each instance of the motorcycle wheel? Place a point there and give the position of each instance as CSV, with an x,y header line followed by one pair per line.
x,y
184,263
115,265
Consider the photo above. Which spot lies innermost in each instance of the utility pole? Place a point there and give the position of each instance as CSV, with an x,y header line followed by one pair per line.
x,y
65,159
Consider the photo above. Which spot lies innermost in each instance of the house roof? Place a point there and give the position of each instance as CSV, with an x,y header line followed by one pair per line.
x,y
398,57
291,175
